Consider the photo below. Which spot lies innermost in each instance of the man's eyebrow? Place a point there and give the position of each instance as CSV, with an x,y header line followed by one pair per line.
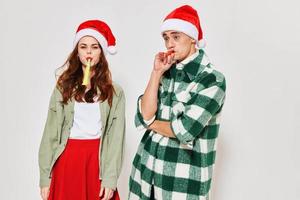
x,y
174,32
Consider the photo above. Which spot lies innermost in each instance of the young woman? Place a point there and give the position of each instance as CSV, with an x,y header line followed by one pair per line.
x,y
81,151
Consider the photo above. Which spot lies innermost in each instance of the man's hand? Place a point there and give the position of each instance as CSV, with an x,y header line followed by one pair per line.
x,y
163,61
163,128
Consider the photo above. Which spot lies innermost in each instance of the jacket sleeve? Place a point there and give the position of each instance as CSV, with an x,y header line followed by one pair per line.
x,y
188,120
116,141
48,142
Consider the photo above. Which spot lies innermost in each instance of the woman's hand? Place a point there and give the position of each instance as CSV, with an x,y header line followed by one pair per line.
x,y
106,193
44,193
163,61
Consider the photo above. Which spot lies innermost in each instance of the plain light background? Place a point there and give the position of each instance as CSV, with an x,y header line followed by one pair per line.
x,y
254,43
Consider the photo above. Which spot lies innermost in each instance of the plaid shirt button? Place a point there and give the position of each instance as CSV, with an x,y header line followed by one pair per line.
x,y
179,76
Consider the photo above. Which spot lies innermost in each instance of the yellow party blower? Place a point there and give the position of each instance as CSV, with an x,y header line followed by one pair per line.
x,y
87,72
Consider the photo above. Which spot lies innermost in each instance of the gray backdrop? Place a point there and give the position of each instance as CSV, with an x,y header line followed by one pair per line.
x,y
254,43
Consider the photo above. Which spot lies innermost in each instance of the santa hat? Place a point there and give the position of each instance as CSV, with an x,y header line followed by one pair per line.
x,y
100,31
185,19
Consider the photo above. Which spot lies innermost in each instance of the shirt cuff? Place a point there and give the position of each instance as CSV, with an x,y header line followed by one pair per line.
x,y
177,132
147,122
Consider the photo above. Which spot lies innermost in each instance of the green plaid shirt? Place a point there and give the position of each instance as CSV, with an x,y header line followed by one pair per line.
x,y
190,96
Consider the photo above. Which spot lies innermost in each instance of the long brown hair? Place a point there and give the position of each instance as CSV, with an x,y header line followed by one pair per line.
x,y
70,81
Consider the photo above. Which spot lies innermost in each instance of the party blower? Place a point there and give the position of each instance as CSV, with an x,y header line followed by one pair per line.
x,y
169,52
87,73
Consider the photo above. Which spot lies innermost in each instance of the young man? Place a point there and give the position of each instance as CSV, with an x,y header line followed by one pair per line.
x,y
180,109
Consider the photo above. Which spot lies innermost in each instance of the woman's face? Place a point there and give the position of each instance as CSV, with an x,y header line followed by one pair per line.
x,y
89,48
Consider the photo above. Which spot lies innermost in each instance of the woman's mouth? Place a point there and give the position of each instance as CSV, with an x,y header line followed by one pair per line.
x,y
89,58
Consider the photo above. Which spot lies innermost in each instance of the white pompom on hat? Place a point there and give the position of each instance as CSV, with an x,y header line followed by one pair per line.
x,y
100,31
185,19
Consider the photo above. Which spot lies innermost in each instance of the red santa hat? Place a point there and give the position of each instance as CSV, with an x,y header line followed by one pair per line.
x,y
185,19
100,31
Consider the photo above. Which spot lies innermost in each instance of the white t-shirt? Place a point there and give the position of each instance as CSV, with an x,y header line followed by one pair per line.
x,y
87,121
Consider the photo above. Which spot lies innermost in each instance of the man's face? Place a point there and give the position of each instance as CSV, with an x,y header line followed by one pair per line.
x,y
182,45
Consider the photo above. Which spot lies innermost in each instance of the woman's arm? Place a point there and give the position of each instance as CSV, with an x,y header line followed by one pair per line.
x,y
113,145
47,145
46,149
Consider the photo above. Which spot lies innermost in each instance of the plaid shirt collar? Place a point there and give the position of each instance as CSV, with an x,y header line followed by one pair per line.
x,y
190,58
192,65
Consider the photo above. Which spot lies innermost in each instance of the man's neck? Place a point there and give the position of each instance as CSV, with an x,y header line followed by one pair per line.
x,y
187,59
192,51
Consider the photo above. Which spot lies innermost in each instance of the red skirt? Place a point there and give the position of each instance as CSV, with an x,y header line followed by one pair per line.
x,y
75,175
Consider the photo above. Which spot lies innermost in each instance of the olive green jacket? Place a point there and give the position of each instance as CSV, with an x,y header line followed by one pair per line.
x,y
57,131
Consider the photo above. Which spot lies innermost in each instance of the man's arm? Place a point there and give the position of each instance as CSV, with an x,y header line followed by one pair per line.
x,y
163,128
149,99
162,63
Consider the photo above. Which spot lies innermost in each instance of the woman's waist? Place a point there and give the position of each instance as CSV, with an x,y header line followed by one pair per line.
x,y
83,143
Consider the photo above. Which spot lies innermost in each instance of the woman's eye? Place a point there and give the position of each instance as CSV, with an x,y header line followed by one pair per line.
x,y
82,47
